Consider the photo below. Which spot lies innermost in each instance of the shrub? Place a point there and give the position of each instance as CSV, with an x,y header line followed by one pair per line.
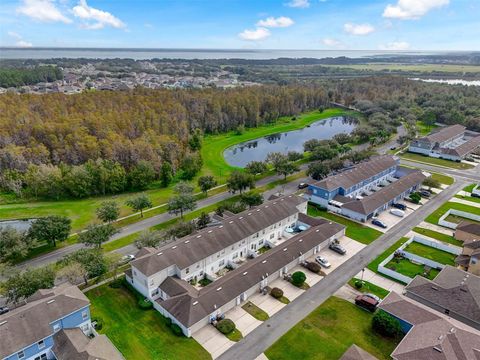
x,y
358,284
385,324
298,278
116,284
168,321
99,323
145,304
314,267
276,293
226,326
177,330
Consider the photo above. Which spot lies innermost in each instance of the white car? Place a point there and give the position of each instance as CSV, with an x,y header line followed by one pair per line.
x,y
128,258
397,212
322,261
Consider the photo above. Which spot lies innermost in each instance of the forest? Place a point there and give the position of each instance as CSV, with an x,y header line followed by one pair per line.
x,y
97,143
13,77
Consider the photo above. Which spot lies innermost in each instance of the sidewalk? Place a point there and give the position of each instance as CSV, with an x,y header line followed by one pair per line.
x,y
436,228
465,202
381,281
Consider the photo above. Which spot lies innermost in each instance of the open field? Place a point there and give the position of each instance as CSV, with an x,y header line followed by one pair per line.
x,y
408,268
410,67
431,253
369,288
435,161
437,214
329,331
355,231
139,334
443,179
438,236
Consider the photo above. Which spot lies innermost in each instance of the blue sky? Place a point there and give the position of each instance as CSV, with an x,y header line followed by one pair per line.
x,y
237,24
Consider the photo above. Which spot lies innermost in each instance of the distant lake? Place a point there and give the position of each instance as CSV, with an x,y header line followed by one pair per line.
x,y
451,81
258,149
20,225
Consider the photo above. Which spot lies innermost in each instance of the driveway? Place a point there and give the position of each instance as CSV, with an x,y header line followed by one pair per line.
x,y
212,340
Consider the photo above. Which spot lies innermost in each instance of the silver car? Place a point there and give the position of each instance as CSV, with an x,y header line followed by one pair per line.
x,y
322,261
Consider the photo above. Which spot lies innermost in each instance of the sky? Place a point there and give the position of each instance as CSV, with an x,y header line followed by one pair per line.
x,y
243,24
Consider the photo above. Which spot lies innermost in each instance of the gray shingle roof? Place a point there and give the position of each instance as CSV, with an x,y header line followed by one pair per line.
x,y
30,323
464,148
190,306
445,133
357,353
193,248
359,173
469,227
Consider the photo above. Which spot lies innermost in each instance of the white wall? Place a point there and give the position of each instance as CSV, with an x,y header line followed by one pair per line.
x,y
452,225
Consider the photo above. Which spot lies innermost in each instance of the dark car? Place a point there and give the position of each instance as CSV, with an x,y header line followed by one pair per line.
x,y
475,195
4,310
424,193
337,248
400,206
379,223
393,148
366,302
302,185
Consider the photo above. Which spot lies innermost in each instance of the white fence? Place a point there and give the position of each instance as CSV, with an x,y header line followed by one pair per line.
x,y
416,258
452,225
476,190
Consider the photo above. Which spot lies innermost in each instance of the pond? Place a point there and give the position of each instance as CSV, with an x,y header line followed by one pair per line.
x,y
258,149
20,225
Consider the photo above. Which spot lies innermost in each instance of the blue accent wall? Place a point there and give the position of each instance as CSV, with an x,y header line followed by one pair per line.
x,y
33,349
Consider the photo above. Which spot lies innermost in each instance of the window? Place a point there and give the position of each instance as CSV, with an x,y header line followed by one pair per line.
x,y
187,270
84,327
41,344
21,354
272,236
41,357
56,327
84,315
134,273
260,242
221,263
234,256
198,266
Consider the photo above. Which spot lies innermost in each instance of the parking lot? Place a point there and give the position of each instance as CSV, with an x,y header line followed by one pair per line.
x,y
390,220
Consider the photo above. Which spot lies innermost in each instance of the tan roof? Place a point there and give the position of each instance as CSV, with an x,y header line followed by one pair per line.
x,y
445,133
464,148
359,173
432,337
357,353
193,248
72,344
469,227
370,203
191,305
452,289
31,322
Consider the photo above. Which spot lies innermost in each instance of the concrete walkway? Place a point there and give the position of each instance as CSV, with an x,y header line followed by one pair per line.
x,y
381,281
465,202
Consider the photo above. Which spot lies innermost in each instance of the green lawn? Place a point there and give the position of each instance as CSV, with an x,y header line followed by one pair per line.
x,y
255,311
374,264
423,129
435,161
437,214
408,268
355,231
438,236
328,332
458,219
469,188
370,288
431,253
443,179
139,334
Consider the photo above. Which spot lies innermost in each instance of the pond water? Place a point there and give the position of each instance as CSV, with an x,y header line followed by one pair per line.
x,y
258,149
20,225
451,81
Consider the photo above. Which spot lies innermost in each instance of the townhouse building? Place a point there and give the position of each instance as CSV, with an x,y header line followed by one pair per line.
x,y
469,259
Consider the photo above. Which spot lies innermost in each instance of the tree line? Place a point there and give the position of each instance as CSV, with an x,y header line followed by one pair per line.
x,y
13,77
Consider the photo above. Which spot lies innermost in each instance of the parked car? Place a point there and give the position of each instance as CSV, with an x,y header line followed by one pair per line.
x,y
128,258
4,310
475,195
373,296
379,223
424,193
400,206
322,261
366,302
337,248
397,212
302,185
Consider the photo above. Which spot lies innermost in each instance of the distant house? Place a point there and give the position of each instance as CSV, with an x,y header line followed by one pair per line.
x,y
430,335
355,352
54,325
450,142
366,189
469,259
453,292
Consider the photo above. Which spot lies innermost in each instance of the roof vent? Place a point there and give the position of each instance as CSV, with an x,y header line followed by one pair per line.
x,y
220,288
3,322
264,261
434,287
187,241
300,240
317,230
50,301
285,249
209,231
199,236
221,226
249,214
266,206
174,247
245,273
463,289
195,303
452,330
275,203
240,218
160,253
258,209
436,348
230,222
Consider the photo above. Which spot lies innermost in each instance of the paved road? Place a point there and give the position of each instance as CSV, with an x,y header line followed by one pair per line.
x,y
271,330
470,174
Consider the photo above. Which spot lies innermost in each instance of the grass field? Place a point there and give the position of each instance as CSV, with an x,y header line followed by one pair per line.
x,y
355,231
328,332
370,288
443,179
374,264
431,253
438,236
139,334
469,188
423,129
437,214
436,161
255,311
408,268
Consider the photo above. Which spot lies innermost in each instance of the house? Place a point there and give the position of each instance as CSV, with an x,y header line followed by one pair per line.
x,y
42,328
453,292
228,255
469,259
430,335
451,142
366,189
355,352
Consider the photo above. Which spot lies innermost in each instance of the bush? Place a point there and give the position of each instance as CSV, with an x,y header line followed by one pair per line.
x,y
177,330
358,284
276,293
226,326
99,323
145,304
168,321
116,284
298,278
314,267
385,324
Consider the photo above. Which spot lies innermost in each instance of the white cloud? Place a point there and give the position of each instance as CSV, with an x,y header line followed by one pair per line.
x,y
95,19
260,33
396,45
412,9
358,29
298,4
19,40
331,42
279,22
42,10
